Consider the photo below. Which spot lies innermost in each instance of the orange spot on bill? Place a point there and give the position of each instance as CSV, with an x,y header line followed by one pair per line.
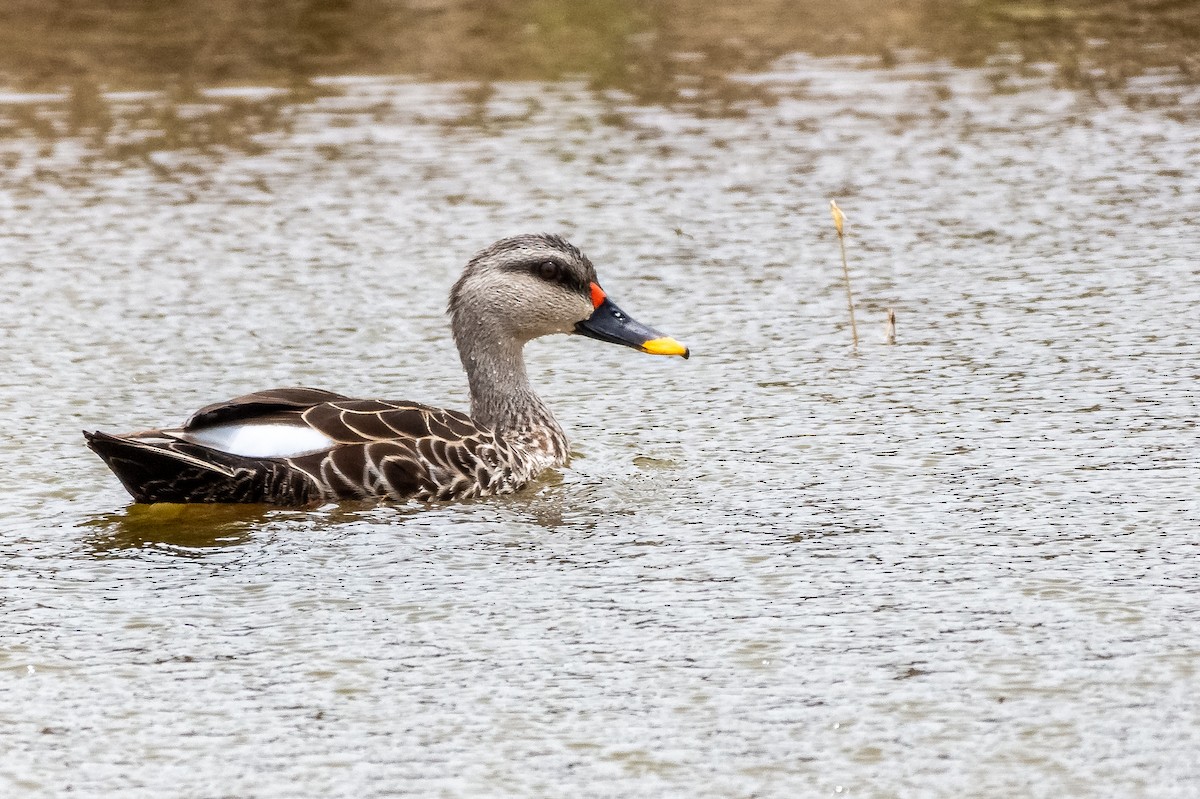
x,y
598,295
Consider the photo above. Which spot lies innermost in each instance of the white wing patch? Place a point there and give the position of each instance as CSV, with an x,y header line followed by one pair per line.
x,y
260,440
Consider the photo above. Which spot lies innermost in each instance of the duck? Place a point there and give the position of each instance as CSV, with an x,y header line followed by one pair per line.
x,y
300,446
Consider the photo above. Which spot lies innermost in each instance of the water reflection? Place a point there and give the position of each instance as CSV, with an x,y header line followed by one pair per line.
x,y
132,126
193,530
682,54
645,49
184,529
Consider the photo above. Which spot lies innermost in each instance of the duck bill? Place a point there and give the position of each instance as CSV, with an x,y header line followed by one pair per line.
x,y
609,323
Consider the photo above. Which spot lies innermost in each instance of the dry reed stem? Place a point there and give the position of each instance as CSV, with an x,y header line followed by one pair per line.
x,y
839,222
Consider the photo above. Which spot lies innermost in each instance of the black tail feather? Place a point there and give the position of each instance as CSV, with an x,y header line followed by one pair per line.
x,y
166,470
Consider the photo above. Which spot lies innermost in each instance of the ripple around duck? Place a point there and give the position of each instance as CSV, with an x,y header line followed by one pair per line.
x,y
961,563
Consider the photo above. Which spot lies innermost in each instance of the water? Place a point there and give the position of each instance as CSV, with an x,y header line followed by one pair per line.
x,y
963,564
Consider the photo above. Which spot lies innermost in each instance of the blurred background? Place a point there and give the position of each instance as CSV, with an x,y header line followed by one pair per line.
x,y
674,53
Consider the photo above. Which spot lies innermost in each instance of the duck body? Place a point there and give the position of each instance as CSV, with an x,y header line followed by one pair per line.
x,y
259,448
301,446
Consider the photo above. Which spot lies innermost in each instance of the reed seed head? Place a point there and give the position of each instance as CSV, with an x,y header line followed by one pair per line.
x,y
839,219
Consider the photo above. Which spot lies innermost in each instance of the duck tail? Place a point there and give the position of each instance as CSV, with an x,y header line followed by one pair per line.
x,y
152,470
157,468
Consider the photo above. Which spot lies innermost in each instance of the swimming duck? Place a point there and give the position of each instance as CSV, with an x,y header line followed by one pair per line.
x,y
300,446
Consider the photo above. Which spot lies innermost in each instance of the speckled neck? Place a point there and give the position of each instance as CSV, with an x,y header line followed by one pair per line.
x,y
501,396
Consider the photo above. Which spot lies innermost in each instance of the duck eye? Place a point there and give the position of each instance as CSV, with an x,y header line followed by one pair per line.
x,y
548,270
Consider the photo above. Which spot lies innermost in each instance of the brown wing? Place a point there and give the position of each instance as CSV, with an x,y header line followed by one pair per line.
x,y
260,403
403,450
364,421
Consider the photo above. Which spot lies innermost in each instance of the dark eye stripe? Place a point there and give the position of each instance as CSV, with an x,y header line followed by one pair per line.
x,y
554,271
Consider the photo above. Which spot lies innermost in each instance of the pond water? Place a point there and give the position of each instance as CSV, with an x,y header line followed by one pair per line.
x,y
960,564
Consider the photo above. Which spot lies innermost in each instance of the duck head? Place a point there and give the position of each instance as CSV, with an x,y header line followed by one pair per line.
x,y
528,286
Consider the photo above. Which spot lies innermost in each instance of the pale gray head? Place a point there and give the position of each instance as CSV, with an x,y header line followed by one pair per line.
x,y
523,287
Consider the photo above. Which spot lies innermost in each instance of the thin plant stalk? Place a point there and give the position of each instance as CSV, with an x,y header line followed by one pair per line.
x,y
839,222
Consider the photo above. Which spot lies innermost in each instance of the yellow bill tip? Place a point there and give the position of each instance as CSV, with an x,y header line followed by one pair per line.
x,y
665,346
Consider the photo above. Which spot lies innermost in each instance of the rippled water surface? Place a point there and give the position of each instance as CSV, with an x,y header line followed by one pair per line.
x,y
960,565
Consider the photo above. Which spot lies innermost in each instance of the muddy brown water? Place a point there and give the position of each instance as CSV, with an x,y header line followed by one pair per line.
x,y
960,565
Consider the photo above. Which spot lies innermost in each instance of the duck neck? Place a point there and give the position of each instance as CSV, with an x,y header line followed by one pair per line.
x,y
503,399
